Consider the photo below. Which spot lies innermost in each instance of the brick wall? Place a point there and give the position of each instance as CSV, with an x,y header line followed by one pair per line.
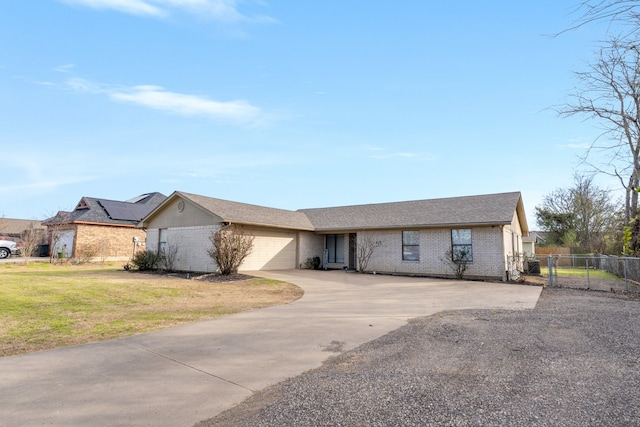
x,y
105,243
190,244
309,245
488,258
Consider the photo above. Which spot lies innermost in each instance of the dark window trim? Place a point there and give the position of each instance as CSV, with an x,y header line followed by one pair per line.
x,y
455,246
412,245
333,257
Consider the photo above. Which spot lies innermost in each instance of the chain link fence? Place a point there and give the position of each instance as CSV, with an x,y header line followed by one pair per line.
x,y
594,272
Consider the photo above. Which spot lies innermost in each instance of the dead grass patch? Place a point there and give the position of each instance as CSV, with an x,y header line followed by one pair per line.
x,y
44,307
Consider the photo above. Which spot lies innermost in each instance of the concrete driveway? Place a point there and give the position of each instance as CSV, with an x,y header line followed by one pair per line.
x,y
181,375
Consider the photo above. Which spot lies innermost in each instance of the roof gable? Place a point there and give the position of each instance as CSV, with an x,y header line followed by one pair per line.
x,y
104,211
491,209
242,213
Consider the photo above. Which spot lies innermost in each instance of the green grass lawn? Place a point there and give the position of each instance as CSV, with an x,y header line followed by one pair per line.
x,y
45,306
581,272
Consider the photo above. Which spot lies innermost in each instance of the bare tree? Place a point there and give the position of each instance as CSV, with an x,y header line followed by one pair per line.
x,y
458,261
30,237
169,257
626,12
231,246
609,94
366,246
583,215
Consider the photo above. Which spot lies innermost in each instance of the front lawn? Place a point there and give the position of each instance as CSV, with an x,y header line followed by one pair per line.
x,y
44,306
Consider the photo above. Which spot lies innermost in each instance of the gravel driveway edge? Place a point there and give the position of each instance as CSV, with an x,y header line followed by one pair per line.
x,y
573,360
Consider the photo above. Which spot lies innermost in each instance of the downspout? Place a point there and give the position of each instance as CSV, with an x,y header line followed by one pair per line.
x,y
505,260
298,264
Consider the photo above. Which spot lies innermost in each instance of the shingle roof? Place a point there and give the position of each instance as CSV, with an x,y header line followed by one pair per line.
x,y
487,209
490,209
104,211
16,226
250,214
535,236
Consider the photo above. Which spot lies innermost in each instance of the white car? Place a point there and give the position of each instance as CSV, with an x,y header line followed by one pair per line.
x,y
8,248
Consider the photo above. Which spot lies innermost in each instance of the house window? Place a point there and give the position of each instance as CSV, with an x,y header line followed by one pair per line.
x,y
461,247
411,245
162,241
335,247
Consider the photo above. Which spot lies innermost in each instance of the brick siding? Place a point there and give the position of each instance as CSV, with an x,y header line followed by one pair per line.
x,y
105,243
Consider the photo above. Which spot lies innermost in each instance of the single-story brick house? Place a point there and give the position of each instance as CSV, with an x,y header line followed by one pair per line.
x,y
413,237
100,228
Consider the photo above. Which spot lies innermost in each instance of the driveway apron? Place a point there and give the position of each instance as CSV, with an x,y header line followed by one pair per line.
x,y
181,375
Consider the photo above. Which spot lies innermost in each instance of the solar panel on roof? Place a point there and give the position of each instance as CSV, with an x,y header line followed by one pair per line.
x,y
124,211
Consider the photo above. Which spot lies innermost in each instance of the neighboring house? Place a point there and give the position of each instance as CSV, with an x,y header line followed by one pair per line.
x,y
529,242
413,237
23,231
100,228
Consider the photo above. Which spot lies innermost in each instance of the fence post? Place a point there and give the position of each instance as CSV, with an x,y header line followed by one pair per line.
x,y
586,263
626,281
550,267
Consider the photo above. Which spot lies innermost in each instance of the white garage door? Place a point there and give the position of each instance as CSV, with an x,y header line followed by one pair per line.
x,y
272,250
64,246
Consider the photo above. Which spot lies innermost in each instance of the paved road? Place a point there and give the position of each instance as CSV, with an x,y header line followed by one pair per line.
x,y
181,375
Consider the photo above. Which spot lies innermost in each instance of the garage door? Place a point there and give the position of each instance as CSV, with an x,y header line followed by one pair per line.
x,y
64,246
272,250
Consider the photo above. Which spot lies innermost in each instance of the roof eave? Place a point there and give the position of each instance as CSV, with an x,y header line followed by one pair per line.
x,y
414,226
258,224
522,217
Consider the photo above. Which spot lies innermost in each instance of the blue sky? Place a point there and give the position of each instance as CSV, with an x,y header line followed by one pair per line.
x,y
288,104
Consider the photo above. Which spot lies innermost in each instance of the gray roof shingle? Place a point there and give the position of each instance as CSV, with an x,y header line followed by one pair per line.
x,y
96,211
251,214
490,209
487,209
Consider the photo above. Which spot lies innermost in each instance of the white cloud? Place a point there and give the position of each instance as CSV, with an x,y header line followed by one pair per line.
x,y
45,184
132,7
188,105
35,173
66,68
82,85
158,98
218,10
